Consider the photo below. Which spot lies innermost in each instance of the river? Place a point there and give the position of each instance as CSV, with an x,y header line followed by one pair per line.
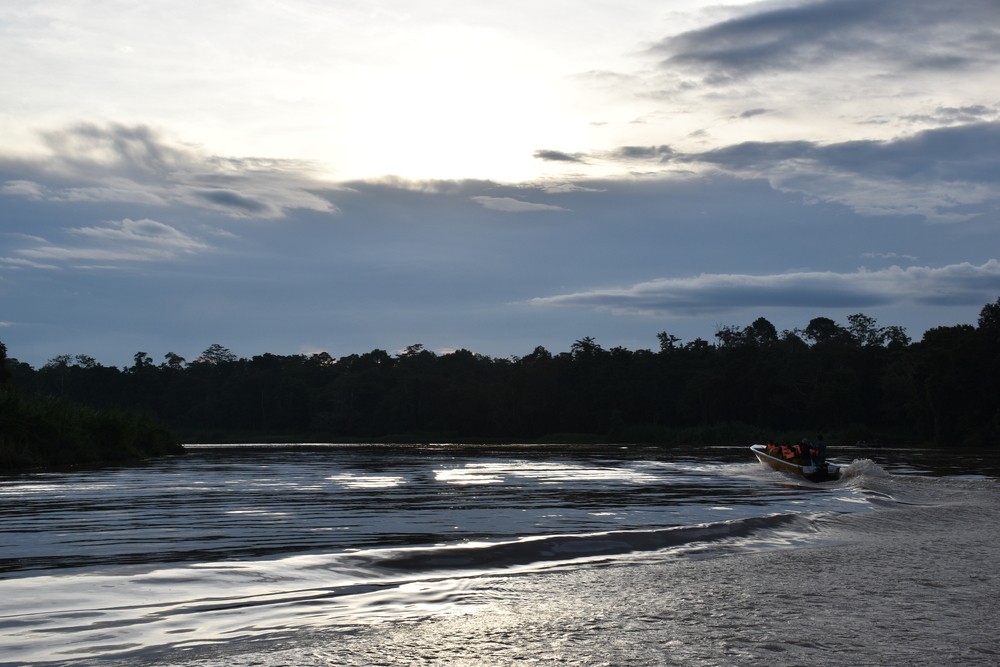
x,y
557,555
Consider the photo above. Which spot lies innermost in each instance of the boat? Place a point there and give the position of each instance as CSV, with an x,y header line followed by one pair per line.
x,y
813,473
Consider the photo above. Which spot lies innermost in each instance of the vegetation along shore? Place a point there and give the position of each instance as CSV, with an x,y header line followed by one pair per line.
x,y
40,430
856,381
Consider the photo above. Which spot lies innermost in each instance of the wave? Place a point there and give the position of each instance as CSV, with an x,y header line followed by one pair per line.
x,y
863,468
142,614
561,548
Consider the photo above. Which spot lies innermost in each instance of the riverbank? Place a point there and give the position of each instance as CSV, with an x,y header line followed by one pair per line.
x,y
723,433
46,431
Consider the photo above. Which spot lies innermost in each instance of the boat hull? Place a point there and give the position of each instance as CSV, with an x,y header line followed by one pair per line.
x,y
812,473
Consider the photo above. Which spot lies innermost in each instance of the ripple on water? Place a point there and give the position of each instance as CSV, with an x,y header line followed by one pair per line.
x,y
333,557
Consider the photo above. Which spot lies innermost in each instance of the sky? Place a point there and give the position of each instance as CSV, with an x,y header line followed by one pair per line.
x,y
303,176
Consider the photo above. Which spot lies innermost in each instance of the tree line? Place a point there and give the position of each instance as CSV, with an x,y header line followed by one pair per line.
x,y
857,379
45,430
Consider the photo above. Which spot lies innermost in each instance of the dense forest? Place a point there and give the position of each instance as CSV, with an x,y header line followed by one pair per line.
x,y
45,430
856,380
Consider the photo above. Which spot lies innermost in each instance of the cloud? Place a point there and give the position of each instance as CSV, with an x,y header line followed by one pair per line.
x,y
922,174
642,152
119,241
720,293
24,188
234,201
36,239
20,262
511,205
58,253
896,35
558,156
134,164
750,113
563,188
954,115
888,255
145,231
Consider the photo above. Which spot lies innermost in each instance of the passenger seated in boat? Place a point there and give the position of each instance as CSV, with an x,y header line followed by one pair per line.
x,y
772,449
787,452
803,453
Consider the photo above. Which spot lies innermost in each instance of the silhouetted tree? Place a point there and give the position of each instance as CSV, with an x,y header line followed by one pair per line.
x,y
173,361
216,354
761,332
989,320
823,329
4,370
944,388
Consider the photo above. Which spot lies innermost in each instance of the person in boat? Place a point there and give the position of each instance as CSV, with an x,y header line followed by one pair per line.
x,y
787,452
807,452
772,449
797,453
820,456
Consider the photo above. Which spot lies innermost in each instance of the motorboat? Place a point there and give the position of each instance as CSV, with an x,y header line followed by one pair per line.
x,y
814,473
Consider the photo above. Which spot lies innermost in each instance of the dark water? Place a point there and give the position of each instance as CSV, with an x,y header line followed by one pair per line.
x,y
448,555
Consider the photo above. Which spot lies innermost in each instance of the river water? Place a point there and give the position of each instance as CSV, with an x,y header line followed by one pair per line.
x,y
442,554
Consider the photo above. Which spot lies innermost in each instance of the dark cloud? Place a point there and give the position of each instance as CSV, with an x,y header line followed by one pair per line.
x,y
643,152
922,174
558,156
134,164
750,113
952,115
968,153
910,34
232,199
135,151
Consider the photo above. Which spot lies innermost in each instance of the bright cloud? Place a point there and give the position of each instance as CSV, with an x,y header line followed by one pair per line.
x,y
23,188
142,231
718,293
119,241
511,205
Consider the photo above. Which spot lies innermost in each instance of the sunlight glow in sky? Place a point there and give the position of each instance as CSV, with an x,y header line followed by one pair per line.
x,y
300,175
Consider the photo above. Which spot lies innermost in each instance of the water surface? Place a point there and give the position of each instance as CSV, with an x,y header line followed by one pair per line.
x,y
281,553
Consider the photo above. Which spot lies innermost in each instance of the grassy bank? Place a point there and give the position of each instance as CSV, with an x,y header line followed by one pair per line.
x,y
43,431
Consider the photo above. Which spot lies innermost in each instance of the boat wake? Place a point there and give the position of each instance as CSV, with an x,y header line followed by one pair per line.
x,y
141,614
863,468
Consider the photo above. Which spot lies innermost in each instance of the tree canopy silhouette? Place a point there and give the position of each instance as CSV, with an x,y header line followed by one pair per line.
x,y
855,377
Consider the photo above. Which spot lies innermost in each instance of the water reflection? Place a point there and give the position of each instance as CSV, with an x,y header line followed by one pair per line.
x,y
356,481
251,502
258,543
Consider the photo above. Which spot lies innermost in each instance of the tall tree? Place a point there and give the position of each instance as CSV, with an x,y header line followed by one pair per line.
x,y
4,371
216,354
